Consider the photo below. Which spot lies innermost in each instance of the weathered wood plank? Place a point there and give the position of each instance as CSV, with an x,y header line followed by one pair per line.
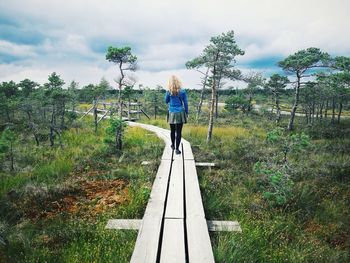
x,y
173,245
199,246
131,224
206,164
146,246
135,224
187,150
168,151
230,226
194,204
175,208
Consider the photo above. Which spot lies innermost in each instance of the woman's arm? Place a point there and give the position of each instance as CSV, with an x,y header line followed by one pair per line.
x,y
167,97
185,102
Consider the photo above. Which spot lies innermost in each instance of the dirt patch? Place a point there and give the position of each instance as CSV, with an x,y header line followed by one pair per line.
x,y
106,193
91,198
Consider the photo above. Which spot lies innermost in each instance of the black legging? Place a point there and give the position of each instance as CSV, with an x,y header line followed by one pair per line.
x,y
176,128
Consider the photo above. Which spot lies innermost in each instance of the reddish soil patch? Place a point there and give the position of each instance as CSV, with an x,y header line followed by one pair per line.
x,y
91,198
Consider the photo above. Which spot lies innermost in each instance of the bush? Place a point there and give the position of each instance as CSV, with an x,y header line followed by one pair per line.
x,y
114,134
236,103
294,143
276,184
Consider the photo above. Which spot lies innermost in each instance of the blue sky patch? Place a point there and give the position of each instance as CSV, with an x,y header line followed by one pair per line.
x,y
266,62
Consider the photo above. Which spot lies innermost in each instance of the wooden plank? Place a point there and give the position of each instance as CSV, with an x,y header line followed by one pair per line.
x,y
146,246
199,246
156,201
173,245
223,226
188,155
168,151
131,224
205,164
104,115
194,204
175,208
86,113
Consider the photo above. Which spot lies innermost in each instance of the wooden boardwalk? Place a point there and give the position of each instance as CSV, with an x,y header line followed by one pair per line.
x,y
174,227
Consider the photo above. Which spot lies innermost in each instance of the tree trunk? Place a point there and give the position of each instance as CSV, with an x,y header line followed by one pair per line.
x,y
340,110
295,106
306,116
59,137
199,107
217,104
32,127
12,159
95,116
333,111
211,114
321,110
278,109
250,102
212,103
118,141
62,114
326,111
51,126
120,84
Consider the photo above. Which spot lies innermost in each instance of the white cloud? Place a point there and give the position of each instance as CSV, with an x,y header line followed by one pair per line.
x,y
166,33
16,50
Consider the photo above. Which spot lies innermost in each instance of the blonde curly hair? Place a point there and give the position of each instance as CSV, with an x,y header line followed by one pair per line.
x,y
174,85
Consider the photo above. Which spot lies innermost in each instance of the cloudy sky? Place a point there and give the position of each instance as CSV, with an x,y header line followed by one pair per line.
x,y
71,37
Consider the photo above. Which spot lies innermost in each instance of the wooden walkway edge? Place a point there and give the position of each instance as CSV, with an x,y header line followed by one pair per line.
x,y
174,227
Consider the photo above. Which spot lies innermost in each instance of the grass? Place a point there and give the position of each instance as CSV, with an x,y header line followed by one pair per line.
x,y
71,194
312,227
57,204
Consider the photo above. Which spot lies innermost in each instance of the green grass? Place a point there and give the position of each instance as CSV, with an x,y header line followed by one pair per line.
x,y
49,216
312,227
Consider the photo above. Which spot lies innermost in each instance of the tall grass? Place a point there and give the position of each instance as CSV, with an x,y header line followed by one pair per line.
x,y
51,165
311,227
38,227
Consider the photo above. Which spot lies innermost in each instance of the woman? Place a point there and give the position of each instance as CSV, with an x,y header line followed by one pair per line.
x,y
178,110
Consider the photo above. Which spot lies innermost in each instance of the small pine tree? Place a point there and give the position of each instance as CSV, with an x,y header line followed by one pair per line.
x,y
7,142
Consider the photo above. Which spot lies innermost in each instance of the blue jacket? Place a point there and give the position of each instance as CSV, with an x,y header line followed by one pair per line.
x,y
176,101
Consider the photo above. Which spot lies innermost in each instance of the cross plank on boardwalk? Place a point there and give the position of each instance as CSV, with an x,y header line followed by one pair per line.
x,y
124,224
